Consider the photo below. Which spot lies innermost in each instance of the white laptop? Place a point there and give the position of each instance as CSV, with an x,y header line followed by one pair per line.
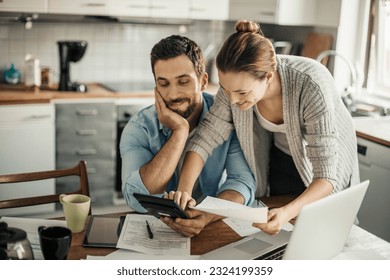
x,y
320,232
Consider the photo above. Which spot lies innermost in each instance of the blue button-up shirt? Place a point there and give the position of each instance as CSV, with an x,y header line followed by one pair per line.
x,y
144,136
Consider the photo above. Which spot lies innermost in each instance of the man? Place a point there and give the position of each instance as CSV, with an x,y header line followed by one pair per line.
x,y
153,142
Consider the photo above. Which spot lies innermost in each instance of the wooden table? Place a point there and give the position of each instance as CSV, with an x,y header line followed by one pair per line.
x,y
213,236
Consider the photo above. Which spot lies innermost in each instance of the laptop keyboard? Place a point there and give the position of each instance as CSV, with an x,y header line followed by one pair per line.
x,y
276,254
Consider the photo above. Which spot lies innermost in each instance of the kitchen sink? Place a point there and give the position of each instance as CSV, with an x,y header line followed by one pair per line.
x,y
368,110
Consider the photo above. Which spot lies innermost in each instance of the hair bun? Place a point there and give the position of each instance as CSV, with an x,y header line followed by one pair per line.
x,y
248,26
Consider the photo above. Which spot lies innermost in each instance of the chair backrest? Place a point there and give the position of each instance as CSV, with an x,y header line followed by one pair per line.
x,y
79,170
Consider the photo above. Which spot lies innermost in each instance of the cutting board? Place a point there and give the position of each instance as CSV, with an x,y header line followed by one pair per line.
x,y
316,43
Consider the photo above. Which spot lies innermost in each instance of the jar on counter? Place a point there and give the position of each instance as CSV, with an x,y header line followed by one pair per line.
x,y
32,72
12,75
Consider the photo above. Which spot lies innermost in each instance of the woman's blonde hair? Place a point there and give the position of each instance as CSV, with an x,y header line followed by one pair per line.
x,y
247,50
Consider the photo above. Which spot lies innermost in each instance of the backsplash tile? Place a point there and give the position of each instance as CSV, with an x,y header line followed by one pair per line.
x,y
116,52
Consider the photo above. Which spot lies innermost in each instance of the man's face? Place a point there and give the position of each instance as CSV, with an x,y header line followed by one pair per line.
x,y
178,84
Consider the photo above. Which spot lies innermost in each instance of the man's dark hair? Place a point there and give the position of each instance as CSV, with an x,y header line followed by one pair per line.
x,y
177,45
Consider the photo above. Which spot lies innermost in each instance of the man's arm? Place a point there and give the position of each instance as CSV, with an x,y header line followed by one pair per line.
x,y
157,173
143,171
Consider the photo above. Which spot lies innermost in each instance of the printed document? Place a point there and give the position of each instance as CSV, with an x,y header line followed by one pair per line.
x,y
231,209
134,236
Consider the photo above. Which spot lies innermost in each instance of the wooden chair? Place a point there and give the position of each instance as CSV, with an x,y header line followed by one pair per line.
x,y
79,170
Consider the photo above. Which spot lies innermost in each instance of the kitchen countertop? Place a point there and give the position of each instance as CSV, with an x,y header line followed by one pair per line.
x,y
19,95
376,129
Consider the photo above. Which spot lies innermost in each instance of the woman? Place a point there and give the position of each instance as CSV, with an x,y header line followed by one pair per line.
x,y
297,136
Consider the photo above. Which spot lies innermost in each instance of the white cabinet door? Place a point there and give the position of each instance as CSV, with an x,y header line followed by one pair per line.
x,y
209,10
374,165
27,144
134,8
286,12
169,8
78,7
263,11
32,6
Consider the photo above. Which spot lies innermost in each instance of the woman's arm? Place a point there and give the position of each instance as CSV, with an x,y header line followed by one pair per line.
x,y
192,166
318,189
215,128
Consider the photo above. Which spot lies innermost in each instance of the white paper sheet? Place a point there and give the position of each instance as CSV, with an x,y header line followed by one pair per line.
x,y
245,228
166,241
131,255
30,226
233,210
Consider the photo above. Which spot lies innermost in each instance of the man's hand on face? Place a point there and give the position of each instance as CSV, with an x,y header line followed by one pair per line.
x,y
167,117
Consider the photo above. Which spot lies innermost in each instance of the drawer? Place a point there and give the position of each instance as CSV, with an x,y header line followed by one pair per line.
x,y
102,198
104,131
101,172
26,114
81,112
78,151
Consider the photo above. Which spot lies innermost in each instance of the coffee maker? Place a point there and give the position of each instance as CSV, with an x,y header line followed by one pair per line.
x,y
70,51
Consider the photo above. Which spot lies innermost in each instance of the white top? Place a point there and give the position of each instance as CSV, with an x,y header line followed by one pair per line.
x,y
279,132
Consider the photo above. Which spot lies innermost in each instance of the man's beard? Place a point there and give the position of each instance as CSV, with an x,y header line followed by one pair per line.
x,y
187,112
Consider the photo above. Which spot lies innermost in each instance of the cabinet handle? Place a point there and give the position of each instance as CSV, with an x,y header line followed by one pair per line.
x,y
137,6
86,152
197,9
85,132
159,7
92,112
269,14
95,4
47,116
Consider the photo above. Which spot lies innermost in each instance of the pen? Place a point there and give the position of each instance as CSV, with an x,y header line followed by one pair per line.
x,y
149,230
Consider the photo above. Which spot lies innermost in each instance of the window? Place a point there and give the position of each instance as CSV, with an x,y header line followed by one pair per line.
x,y
378,78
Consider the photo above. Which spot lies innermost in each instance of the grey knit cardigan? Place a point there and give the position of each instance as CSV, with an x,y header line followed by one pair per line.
x,y
320,130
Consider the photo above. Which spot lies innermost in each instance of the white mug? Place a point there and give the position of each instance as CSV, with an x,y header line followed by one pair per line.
x,y
76,209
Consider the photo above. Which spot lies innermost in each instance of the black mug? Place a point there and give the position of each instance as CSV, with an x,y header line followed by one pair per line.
x,y
55,242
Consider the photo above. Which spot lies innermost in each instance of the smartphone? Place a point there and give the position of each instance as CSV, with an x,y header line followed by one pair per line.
x,y
159,206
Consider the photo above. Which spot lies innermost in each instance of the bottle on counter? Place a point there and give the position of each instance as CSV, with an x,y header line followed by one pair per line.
x,y
32,72
12,75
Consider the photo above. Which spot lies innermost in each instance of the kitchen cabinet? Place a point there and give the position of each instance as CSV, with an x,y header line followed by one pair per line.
x,y
149,8
86,130
135,8
32,6
374,165
78,7
209,10
27,136
169,9
284,12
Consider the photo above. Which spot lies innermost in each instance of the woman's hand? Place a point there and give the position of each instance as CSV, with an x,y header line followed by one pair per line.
x,y
182,198
276,218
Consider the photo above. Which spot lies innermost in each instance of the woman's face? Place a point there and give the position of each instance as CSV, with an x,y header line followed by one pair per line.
x,y
242,88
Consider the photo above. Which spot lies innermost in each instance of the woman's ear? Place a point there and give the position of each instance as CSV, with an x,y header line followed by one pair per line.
x,y
269,76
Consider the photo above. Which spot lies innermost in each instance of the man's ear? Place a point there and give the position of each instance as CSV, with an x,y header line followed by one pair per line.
x,y
204,81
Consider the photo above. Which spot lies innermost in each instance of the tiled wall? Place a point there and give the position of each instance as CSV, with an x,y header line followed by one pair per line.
x,y
115,52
